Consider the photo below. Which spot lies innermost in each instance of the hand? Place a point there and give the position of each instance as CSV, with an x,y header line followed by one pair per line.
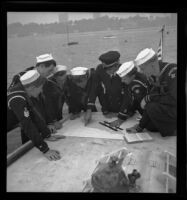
x,y
143,103
116,123
54,138
134,129
74,116
52,155
58,125
110,115
87,116
52,128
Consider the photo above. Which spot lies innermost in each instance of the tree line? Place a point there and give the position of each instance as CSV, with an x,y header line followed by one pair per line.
x,y
88,25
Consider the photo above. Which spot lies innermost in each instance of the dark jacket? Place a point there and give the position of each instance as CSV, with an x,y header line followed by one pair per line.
x,y
51,97
162,101
133,95
54,100
166,91
16,78
77,97
21,109
110,90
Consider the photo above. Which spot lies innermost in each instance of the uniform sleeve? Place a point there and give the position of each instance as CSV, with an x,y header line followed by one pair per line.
x,y
138,92
60,113
130,99
126,105
53,102
168,93
20,108
15,80
93,91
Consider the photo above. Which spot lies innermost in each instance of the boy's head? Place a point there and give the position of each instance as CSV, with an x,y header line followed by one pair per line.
x,y
45,64
32,82
110,61
60,73
127,72
79,76
148,63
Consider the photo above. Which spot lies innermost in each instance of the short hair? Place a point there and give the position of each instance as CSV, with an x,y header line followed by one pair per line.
x,y
47,63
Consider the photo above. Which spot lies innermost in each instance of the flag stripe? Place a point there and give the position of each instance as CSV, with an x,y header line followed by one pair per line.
x,y
159,51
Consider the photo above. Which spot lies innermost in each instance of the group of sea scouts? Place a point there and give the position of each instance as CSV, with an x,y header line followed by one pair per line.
x,y
36,96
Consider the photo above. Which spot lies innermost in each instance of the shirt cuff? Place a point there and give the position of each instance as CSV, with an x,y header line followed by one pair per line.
x,y
147,98
43,147
90,106
122,116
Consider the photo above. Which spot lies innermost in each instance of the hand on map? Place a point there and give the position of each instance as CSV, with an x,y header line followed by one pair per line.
x,y
134,129
52,155
58,125
109,114
87,116
74,116
52,128
53,138
116,123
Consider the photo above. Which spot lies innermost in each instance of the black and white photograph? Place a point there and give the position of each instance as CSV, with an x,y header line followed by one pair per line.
x,y
91,102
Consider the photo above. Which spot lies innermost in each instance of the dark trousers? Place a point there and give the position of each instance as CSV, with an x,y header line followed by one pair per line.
x,y
24,138
146,122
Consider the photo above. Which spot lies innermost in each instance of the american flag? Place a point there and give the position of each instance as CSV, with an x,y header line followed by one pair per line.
x,y
159,51
160,47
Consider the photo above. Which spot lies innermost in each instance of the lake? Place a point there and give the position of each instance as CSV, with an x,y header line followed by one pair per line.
x,y
22,51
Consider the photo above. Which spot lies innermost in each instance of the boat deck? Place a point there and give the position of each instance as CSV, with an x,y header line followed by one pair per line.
x,y
80,150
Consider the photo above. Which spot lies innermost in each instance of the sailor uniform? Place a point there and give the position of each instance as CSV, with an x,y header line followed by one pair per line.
x,y
77,97
161,107
133,94
40,59
21,110
109,90
16,78
51,93
56,97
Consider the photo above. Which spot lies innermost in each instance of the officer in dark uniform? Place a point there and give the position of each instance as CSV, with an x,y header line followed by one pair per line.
x,y
45,65
107,83
78,87
136,87
21,108
160,106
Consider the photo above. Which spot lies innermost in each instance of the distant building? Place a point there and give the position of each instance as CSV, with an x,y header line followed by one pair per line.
x,y
63,17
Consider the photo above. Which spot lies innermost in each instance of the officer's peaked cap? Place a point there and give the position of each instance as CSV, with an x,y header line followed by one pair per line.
x,y
109,58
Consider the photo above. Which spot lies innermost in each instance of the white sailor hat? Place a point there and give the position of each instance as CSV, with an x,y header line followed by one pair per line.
x,y
125,68
144,56
44,58
31,77
60,68
77,71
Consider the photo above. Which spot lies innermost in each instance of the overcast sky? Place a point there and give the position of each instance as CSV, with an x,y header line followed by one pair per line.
x,y
51,17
